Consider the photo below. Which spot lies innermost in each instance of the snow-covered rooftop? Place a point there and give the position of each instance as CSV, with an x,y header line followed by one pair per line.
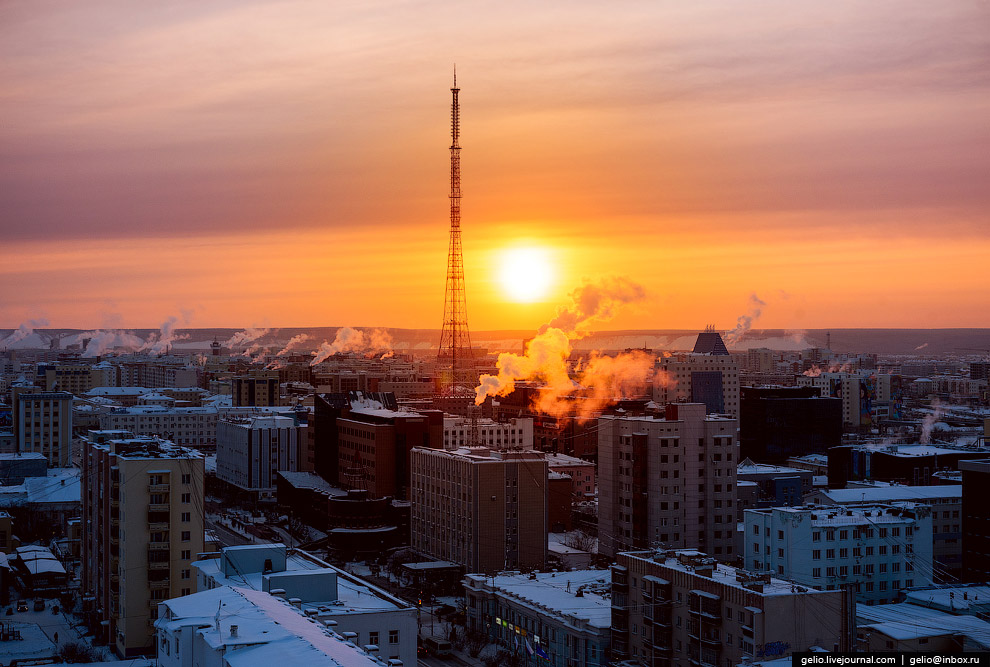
x,y
910,621
890,493
557,593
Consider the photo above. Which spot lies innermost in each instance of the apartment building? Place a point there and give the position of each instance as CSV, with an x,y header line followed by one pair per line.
x,y
484,509
183,426
945,501
875,549
142,529
43,423
681,608
668,481
256,388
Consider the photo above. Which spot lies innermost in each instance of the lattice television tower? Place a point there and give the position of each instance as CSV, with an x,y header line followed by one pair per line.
x,y
455,363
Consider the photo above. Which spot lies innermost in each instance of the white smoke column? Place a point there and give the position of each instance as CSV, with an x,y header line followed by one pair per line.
x,y
294,341
594,301
545,357
159,343
745,322
921,347
23,331
249,335
372,343
101,342
929,423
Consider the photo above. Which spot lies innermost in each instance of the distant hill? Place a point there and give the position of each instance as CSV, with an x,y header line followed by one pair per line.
x,y
919,342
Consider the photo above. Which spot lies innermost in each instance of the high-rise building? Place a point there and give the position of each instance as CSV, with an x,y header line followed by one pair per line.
x,y
251,451
43,423
667,481
142,502
707,375
681,608
877,550
976,519
484,509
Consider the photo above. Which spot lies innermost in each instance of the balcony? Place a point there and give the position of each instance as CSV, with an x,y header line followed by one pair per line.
x,y
158,507
162,585
158,526
158,546
158,566
158,488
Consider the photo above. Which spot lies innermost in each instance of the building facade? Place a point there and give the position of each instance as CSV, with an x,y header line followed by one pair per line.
x,y
251,451
143,526
183,426
681,608
562,617
484,509
708,375
667,481
43,423
876,550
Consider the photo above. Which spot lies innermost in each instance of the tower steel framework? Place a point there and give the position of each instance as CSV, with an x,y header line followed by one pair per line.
x,y
454,359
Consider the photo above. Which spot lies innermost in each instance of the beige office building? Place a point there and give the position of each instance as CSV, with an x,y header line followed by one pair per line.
x,y
682,608
142,529
484,509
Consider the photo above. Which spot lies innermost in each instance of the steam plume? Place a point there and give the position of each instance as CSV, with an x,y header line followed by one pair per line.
x,y
370,343
601,379
745,322
247,336
922,346
813,372
928,424
160,342
295,340
22,332
101,342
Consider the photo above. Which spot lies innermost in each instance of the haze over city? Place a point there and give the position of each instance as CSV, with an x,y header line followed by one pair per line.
x,y
285,164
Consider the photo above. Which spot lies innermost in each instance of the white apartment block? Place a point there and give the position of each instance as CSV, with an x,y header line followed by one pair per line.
x,y
513,434
945,501
668,481
681,608
183,426
877,549
484,509
251,450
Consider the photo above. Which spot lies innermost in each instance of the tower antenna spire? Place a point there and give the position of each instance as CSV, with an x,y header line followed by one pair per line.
x,y
454,358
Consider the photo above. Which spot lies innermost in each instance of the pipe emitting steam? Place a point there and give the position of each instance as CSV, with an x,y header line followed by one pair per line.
x,y
745,322
370,343
545,358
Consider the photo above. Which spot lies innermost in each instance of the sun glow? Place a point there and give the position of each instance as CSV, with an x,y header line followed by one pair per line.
x,y
525,273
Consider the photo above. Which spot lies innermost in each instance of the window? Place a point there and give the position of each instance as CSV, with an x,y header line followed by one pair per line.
x,y
185,574
186,478
816,554
393,636
185,554
830,553
816,536
185,517
185,536
185,497
816,572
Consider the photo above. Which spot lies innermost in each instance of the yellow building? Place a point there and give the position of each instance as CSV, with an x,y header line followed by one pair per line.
x,y
143,526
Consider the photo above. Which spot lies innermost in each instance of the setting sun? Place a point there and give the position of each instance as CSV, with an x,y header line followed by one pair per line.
x,y
525,273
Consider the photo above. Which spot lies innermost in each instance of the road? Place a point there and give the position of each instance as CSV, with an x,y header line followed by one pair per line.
x,y
227,537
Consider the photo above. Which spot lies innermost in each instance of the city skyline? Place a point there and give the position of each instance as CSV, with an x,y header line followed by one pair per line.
x,y
255,164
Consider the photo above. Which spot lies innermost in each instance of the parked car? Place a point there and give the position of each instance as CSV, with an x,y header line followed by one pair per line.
x,y
39,604
22,606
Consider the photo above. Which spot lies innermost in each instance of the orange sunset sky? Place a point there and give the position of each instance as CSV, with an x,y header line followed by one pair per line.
x,y
286,163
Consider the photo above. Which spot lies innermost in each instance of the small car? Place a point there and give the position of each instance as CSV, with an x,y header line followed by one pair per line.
x,y
39,604
22,606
